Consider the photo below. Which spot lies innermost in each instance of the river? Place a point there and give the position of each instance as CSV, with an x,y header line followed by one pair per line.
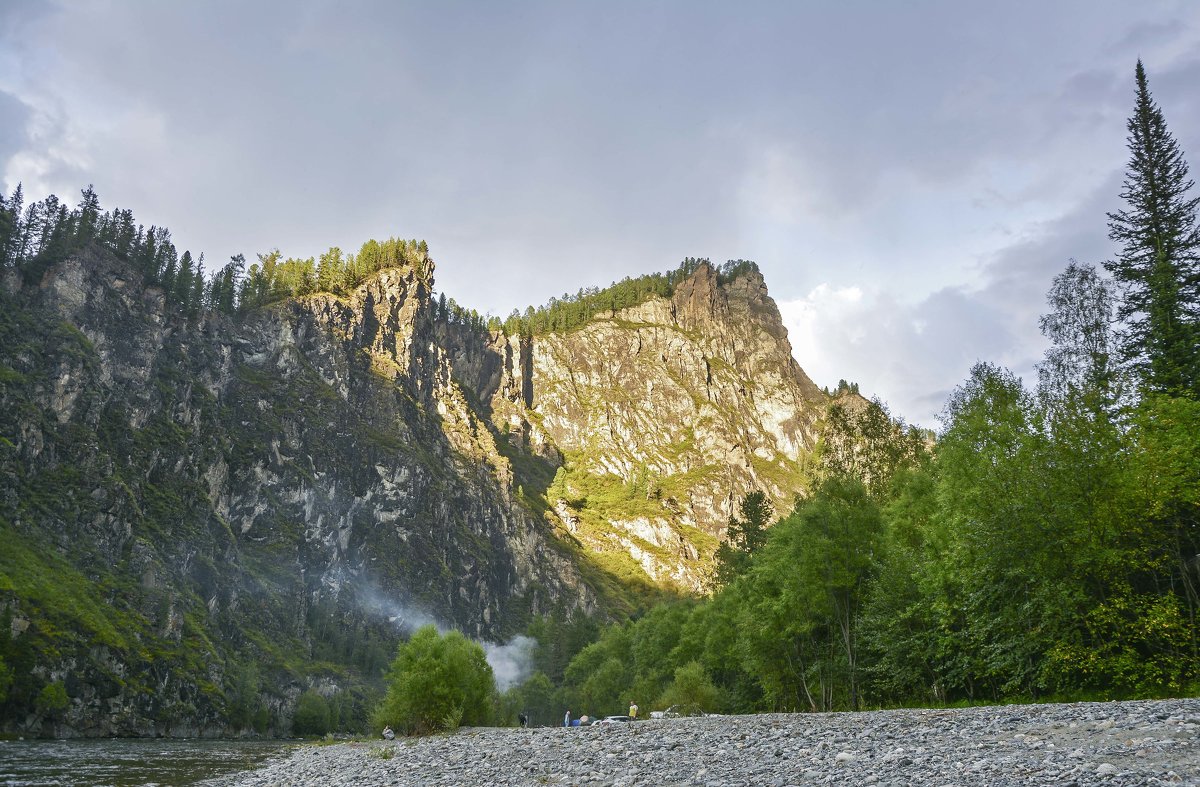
x,y
128,762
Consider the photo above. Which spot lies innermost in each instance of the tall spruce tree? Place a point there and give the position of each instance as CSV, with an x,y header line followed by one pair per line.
x,y
743,537
1159,261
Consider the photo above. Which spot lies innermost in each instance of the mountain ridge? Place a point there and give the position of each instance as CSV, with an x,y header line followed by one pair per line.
x,y
234,485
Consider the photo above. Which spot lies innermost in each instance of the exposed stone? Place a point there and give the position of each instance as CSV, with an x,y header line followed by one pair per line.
x,y
963,746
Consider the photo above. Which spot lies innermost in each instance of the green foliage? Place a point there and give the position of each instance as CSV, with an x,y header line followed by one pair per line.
x,y
558,640
572,311
35,238
597,680
6,680
799,618
48,232
1079,370
863,441
539,700
242,701
436,682
60,597
52,700
312,716
692,690
274,278
743,537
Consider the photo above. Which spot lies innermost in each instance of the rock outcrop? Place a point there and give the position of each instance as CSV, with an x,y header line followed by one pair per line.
x,y
664,415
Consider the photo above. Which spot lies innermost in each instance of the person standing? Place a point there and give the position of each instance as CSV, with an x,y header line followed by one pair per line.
x,y
567,718
633,709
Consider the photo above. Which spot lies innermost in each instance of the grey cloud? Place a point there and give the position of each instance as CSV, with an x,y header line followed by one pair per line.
x,y
913,355
14,115
543,146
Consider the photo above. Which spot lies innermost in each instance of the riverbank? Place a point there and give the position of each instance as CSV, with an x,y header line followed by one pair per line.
x,y
1117,743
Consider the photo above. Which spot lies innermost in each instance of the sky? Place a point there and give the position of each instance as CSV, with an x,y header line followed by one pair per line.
x,y
909,176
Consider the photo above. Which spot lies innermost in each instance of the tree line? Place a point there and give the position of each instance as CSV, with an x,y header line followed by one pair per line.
x,y
33,238
574,311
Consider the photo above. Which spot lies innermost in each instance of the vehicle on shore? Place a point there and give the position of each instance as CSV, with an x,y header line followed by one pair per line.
x,y
677,712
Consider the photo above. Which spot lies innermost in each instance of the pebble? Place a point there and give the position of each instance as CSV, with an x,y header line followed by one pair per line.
x,y
1114,743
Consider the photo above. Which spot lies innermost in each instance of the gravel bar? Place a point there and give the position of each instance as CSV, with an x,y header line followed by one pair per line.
x,y
1113,743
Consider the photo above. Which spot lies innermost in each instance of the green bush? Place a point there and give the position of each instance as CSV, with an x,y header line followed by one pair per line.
x,y
692,690
241,696
52,700
312,715
436,682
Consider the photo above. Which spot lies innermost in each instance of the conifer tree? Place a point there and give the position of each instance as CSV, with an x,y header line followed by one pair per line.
x,y
196,299
1159,261
182,289
11,229
89,214
743,537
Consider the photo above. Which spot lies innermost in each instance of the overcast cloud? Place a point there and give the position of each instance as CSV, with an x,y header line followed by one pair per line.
x,y
909,176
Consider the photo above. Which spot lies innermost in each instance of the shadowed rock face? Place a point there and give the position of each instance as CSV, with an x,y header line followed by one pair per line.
x,y
290,486
239,484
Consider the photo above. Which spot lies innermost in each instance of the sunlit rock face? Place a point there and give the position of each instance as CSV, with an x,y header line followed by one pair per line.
x,y
686,403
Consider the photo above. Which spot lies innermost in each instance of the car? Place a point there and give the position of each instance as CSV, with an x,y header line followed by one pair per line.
x,y
613,720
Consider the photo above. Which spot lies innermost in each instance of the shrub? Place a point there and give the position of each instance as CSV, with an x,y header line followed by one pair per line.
x,y
52,700
692,690
312,715
436,682
6,679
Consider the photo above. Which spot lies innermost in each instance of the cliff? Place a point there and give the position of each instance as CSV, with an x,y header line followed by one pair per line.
x,y
277,490
660,418
201,519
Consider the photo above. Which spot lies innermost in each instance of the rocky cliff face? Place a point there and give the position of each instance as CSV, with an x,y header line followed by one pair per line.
x,y
662,416
179,500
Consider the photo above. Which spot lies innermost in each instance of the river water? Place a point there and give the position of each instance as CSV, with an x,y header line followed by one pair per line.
x,y
128,762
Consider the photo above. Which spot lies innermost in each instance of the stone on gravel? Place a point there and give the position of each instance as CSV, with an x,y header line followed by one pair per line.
x,y
1114,744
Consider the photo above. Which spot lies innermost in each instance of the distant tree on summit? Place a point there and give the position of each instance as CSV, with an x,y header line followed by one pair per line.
x,y
181,289
88,214
1159,261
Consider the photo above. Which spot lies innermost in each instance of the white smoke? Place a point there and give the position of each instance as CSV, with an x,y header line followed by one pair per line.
x,y
511,662
407,618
